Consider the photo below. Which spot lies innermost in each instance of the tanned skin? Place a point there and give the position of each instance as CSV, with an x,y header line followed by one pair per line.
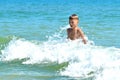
x,y
74,32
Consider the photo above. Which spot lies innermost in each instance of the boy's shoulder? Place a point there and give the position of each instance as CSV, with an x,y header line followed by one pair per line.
x,y
78,28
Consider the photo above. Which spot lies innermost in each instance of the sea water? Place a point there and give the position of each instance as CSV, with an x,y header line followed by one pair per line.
x,y
33,44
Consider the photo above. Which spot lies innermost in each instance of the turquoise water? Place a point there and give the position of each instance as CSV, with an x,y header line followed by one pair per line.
x,y
33,43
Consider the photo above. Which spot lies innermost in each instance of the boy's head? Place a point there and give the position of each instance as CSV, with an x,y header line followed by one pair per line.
x,y
73,20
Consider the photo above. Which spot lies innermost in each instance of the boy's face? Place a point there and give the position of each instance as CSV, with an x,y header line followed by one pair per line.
x,y
73,23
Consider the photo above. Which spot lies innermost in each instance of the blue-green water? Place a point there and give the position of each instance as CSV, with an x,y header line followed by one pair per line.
x,y
33,43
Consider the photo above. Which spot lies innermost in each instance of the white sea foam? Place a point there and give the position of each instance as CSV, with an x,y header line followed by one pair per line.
x,y
84,60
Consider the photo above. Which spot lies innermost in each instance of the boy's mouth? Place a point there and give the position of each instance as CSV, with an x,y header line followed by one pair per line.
x,y
72,27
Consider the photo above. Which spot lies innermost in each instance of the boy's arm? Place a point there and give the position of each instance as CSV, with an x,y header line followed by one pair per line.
x,y
82,36
67,33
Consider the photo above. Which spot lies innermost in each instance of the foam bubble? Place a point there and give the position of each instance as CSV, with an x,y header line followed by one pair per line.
x,y
93,61
109,74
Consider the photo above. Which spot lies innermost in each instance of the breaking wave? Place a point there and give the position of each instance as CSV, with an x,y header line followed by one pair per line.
x,y
84,61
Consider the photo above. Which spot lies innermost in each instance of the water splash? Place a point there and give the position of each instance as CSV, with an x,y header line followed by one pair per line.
x,y
88,60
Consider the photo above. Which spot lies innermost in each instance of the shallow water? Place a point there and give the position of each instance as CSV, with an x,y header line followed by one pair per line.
x,y
33,41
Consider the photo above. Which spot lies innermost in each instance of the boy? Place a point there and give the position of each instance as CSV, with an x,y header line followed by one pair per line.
x,y
75,32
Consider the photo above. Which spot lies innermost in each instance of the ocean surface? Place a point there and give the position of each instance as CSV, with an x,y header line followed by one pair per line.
x,y
33,44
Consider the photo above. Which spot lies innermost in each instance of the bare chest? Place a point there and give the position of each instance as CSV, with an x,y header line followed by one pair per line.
x,y
74,34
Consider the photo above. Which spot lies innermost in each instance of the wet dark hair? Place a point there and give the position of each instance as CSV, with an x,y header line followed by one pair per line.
x,y
73,16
